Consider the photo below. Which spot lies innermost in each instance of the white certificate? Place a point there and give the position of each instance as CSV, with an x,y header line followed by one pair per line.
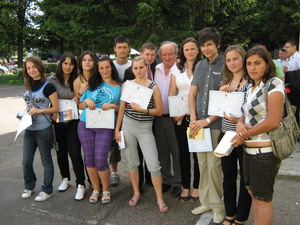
x,y
201,145
65,105
99,118
178,105
136,93
224,148
26,121
221,102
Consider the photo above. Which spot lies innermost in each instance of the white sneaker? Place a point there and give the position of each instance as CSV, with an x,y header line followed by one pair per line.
x,y
218,217
42,196
80,194
201,209
64,185
27,193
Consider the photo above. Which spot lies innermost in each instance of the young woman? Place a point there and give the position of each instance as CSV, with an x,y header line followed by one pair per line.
x,y
104,92
234,79
38,97
260,165
86,67
180,83
66,132
137,128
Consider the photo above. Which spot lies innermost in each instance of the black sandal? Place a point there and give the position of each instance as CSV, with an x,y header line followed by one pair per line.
x,y
193,198
238,223
228,220
183,199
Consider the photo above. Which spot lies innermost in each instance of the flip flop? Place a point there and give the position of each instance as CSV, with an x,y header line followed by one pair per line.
x,y
132,202
193,198
164,208
183,199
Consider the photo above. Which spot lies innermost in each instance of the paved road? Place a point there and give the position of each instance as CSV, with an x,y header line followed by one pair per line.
x,y
62,209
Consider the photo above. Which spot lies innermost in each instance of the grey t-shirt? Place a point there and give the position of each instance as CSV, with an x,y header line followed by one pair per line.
x,y
211,71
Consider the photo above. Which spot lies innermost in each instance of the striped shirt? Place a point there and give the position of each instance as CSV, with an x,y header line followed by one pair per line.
x,y
228,125
139,116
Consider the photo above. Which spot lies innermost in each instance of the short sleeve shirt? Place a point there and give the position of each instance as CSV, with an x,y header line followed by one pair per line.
x,y
183,83
211,71
254,108
104,93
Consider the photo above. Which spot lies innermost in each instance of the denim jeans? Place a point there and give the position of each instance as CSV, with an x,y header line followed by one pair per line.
x,y
43,139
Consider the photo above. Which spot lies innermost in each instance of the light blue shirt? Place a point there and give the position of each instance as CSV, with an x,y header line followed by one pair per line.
x,y
104,93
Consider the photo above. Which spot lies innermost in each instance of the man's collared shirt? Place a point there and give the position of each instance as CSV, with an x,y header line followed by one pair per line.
x,y
163,82
294,62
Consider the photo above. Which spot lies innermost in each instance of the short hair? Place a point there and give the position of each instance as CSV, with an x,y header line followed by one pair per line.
x,y
59,71
121,39
171,43
209,34
37,62
181,65
266,56
227,74
149,46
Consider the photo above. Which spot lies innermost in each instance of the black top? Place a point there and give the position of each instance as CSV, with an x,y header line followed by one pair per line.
x,y
48,90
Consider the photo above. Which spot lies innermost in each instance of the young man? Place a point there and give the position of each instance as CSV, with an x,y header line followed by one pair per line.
x,y
293,56
207,76
164,130
148,52
122,49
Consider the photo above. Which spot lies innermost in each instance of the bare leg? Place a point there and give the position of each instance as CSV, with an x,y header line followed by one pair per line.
x,y
114,167
157,184
105,177
265,212
93,174
134,178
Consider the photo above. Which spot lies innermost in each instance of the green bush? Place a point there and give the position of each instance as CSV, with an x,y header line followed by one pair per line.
x,y
50,67
11,79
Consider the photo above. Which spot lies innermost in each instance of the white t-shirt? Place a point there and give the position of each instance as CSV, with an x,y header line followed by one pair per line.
x,y
183,83
121,68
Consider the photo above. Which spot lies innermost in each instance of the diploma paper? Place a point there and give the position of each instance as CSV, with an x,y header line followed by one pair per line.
x,y
122,141
99,118
221,102
224,148
178,105
136,93
201,145
64,110
26,121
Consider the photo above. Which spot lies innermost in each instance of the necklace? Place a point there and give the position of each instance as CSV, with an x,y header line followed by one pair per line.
x,y
238,84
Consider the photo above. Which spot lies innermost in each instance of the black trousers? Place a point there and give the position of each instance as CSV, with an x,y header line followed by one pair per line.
x,y
184,157
68,143
230,163
144,174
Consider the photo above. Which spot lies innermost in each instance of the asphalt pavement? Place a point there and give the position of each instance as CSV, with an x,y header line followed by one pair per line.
x,y
63,209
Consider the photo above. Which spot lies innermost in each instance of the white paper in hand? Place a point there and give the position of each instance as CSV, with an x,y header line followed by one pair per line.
x,y
26,121
224,148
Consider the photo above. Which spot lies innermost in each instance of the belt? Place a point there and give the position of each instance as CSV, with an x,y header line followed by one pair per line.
x,y
254,151
165,115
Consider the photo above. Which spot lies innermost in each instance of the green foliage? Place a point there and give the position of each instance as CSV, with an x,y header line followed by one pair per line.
x,y
50,67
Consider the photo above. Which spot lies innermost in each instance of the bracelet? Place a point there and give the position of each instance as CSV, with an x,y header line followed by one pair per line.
x,y
208,120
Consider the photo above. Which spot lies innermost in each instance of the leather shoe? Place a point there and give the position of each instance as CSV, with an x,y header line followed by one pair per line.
x,y
165,187
176,192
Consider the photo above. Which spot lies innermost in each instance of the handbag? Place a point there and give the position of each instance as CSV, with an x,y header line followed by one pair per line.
x,y
284,138
114,152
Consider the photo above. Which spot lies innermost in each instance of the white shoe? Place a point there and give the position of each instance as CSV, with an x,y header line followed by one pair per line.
x,y
201,209
80,194
64,185
42,196
27,193
218,217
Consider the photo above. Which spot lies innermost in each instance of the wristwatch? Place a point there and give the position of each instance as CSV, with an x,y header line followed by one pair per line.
x,y
208,120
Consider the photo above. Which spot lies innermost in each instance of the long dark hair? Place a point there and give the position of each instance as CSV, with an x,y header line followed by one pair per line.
x,y
93,56
227,74
182,59
37,62
59,71
266,56
96,79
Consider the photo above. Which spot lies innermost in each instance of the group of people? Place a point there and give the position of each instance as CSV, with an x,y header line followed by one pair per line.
x,y
156,145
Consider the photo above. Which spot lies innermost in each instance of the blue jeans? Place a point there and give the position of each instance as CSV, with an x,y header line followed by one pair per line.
x,y
43,139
